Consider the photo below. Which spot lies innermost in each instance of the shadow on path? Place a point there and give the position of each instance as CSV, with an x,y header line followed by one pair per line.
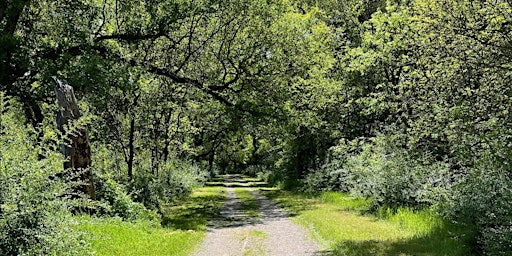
x,y
277,234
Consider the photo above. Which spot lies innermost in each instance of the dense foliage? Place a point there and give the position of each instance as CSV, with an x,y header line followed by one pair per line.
x,y
34,204
407,103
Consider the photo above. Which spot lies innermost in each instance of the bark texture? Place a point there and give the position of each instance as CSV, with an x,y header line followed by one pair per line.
x,y
78,150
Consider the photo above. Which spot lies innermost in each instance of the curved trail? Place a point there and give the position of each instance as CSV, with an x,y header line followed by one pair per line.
x,y
271,234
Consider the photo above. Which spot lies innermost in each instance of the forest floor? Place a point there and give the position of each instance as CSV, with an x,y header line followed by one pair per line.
x,y
253,225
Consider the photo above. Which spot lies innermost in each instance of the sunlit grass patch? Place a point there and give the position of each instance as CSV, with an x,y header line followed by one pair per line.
x,y
238,180
253,179
420,222
258,233
214,183
183,227
337,220
111,236
344,201
258,184
197,210
248,204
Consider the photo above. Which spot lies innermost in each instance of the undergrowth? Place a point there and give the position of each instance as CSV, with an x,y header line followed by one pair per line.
x,y
181,229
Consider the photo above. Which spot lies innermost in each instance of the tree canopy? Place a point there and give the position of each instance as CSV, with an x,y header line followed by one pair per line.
x,y
406,102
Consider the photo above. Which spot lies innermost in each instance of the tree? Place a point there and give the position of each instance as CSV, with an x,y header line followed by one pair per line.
x,y
78,152
37,40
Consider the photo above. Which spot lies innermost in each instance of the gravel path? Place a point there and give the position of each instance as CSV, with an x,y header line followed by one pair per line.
x,y
272,234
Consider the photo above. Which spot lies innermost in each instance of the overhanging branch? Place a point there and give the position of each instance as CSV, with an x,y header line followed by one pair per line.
x,y
185,80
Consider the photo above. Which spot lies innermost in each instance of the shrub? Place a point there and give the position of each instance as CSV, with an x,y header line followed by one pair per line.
x,y
496,240
379,170
175,180
151,186
117,202
34,213
331,177
483,201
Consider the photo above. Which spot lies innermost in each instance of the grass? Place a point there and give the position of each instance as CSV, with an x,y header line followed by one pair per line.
x,y
253,242
111,236
258,233
248,204
197,210
182,229
337,221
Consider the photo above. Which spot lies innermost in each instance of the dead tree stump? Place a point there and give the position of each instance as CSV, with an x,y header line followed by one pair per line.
x,y
77,149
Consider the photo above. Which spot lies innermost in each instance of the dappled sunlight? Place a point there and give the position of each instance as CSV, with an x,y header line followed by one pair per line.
x,y
195,214
198,115
237,180
250,224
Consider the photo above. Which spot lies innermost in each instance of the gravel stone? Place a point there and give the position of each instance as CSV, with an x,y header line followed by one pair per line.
x,y
272,234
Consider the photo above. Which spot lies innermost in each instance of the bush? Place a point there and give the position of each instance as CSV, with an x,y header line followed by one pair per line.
x,y
148,190
117,202
496,240
331,177
175,180
379,170
34,211
483,201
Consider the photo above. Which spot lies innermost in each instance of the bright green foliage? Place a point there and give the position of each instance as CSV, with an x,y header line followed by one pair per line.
x,y
406,102
391,176
176,180
426,116
34,208
117,202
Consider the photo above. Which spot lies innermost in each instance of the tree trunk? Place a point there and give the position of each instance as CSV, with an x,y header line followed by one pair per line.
x,y
131,150
211,159
78,150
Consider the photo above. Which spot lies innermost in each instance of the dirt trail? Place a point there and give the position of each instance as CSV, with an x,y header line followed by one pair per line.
x,y
271,234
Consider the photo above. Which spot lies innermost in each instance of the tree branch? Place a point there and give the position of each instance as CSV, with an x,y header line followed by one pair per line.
x,y
130,37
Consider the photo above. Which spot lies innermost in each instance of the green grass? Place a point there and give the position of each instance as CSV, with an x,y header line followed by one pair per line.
x,y
344,201
248,204
253,240
258,233
112,236
337,221
182,229
197,210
